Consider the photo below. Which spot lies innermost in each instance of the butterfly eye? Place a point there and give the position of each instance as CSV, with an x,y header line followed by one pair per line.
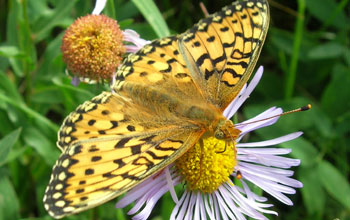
x,y
219,134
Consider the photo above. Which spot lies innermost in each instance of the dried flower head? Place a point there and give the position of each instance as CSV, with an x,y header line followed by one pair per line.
x,y
92,47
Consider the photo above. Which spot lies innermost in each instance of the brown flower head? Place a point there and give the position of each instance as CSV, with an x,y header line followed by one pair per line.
x,y
92,47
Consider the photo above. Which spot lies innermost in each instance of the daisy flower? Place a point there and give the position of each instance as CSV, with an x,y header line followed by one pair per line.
x,y
207,171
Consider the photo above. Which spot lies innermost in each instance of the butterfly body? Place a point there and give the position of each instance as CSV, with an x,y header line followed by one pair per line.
x,y
170,104
164,99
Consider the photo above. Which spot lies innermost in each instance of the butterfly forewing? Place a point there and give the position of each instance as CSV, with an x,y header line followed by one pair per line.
x,y
110,152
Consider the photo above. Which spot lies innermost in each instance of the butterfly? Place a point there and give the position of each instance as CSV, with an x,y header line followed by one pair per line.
x,y
164,99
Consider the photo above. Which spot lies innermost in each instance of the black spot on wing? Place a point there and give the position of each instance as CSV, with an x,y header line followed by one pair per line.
x,y
91,122
120,163
130,128
122,142
95,158
89,171
136,149
202,58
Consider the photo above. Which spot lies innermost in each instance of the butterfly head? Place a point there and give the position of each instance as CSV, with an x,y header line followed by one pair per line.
x,y
226,130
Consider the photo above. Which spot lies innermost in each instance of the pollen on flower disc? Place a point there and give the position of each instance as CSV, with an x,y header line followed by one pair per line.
x,y
92,47
206,167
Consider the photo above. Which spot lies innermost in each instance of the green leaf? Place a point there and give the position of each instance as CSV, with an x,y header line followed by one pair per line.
x,y
50,95
335,99
9,88
109,9
347,56
9,204
6,144
30,112
312,187
45,147
125,11
327,51
6,125
10,51
335,183
328,12
321,121
153,16
167,206
21,36
281,39
303,150
46,23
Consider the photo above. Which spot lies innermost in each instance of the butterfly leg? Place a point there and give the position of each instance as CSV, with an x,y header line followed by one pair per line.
x,y
201,144
223,151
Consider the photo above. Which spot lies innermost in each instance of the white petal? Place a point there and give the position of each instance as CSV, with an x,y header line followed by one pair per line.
x,y
230,110
134,38
209,207
241,99
180,209
259,121
216,207
171,185
275,141
99,6
197,206
263,175
268,187
264,151
265,169
224,210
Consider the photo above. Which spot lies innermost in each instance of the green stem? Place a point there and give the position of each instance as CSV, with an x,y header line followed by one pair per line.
x,y
27,74
283,61
290,81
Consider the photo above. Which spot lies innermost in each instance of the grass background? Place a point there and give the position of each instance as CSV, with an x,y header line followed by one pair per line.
x,y
306,58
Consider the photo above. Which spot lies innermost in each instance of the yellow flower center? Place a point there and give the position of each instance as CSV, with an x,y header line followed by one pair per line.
x,y
208,164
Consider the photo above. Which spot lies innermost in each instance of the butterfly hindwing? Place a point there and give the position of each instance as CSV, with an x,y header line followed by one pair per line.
x,y
122,147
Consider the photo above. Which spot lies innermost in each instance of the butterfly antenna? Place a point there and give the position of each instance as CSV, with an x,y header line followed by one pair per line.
x,y
204,9
301,109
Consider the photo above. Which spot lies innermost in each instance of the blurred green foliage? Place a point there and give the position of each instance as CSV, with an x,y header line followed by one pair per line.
x,y
306,58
